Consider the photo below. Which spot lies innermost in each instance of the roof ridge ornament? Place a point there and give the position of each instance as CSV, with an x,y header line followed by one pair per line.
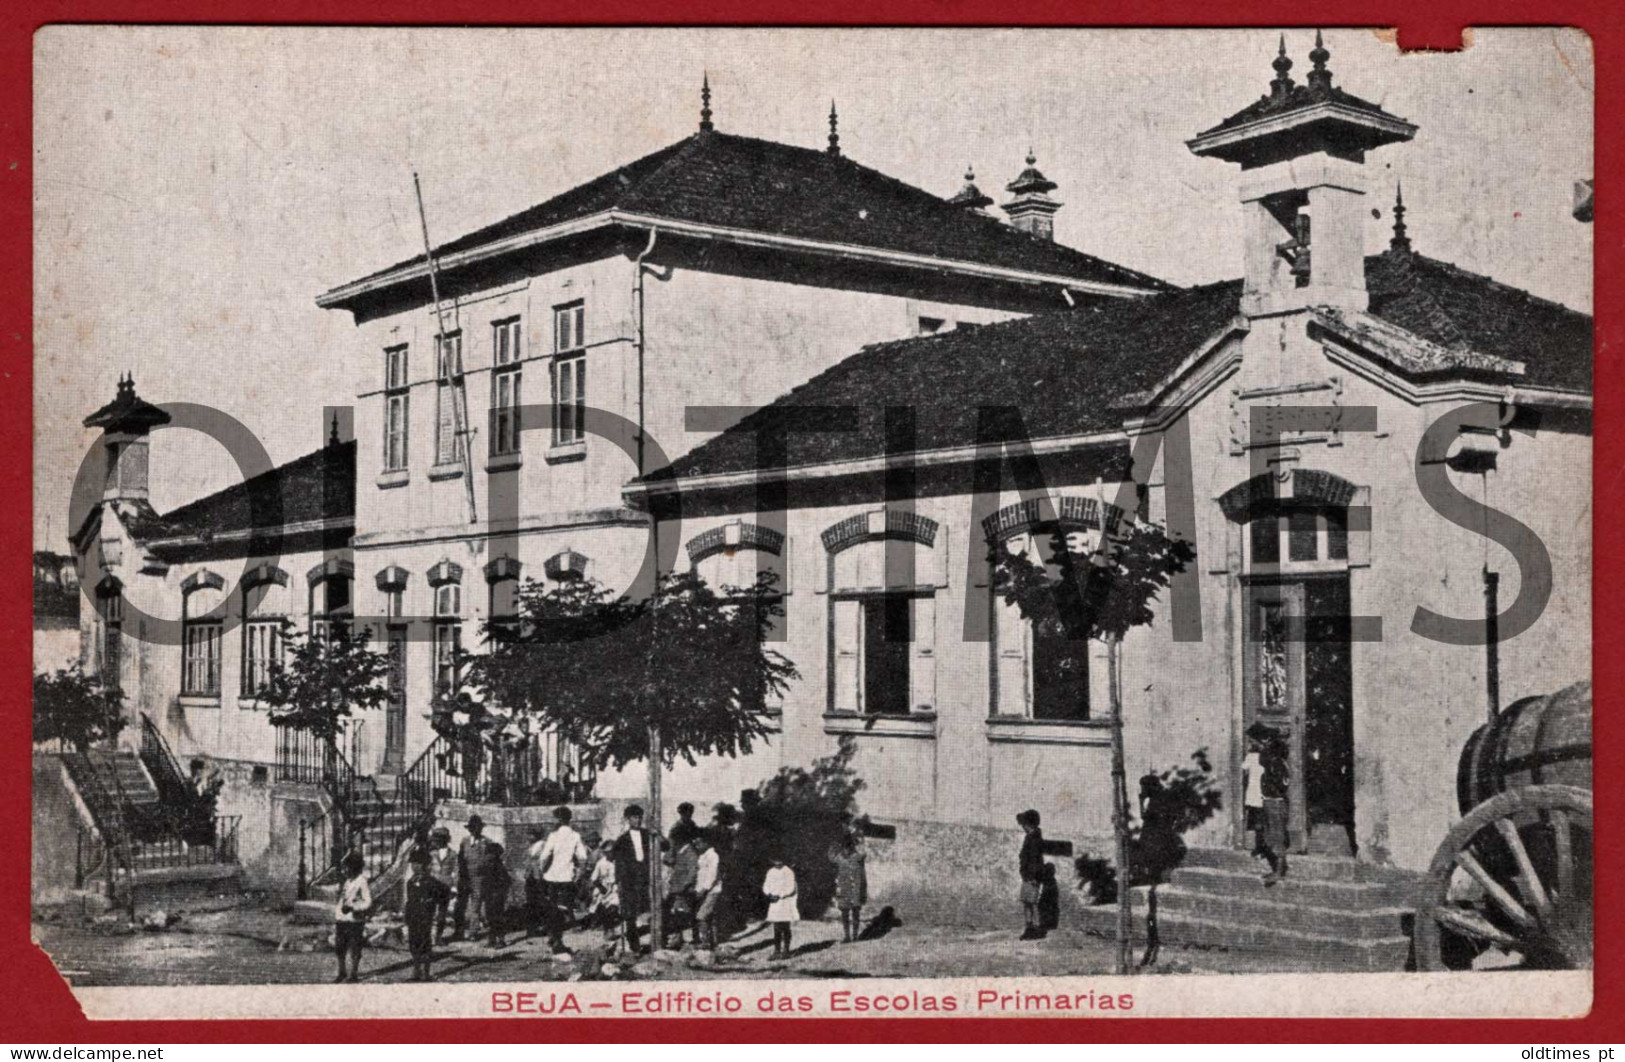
x,y
1283,78
1319,77
705,102
1401,240
834,132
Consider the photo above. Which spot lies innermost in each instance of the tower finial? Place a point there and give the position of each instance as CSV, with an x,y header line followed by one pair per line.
x,y
1401,240
333,432
1319,77
1283,78
705,102
834,132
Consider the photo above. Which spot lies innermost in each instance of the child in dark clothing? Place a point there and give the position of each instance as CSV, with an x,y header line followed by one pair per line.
x,y
1049,899
1031,865
495,896
422,897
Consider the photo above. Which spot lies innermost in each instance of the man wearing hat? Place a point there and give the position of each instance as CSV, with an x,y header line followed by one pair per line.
x,y
474,857
423,897
631,854
441,864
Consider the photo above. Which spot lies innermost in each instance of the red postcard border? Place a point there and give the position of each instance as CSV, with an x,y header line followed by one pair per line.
x,y
39,1007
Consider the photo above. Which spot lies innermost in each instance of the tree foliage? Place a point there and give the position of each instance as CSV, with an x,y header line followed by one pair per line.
x,y
76,708
322,681
601,669
799,815
1092,589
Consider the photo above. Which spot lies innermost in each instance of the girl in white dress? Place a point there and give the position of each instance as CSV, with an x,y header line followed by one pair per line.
x,y
782,912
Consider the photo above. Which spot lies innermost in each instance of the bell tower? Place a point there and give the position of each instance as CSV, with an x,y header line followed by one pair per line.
x,y
125,423
1302,152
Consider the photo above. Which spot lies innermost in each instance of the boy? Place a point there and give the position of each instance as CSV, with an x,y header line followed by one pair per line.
x,y
559,862
707,891
605,903
424,897
1030,864
350,919
495,895
1264,774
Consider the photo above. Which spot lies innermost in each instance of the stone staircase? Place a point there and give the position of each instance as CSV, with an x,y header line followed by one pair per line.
x,y
1330,913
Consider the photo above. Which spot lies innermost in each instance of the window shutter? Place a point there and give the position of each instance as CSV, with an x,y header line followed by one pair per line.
x,y
1100,689
923,652
846,616
1011,644
445,427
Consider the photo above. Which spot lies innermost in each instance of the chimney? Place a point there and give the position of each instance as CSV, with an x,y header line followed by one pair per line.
x,y
1030,208
970,197
125,422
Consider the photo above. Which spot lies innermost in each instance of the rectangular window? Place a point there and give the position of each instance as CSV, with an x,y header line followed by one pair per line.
x,y
448,443
112,640
448,642
887,636
1060,674
569,399
262,649
200,658
395,408
569,327
506,388
1303,535
1265,532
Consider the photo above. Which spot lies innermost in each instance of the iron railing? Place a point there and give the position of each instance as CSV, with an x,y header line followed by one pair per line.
x,y
217,845
174,787
536,769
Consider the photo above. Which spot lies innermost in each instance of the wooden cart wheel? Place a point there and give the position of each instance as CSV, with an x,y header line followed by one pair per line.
x,y
1525,857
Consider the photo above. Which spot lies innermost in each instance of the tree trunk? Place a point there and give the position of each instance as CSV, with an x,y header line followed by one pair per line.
x,y
1120,820
657,938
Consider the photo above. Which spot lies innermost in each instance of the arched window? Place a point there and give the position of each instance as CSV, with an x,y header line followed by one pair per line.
x,y
566,566
1041,671
331,597
1296,524
733,553
265,610
502,582
883,570
202,627
446,580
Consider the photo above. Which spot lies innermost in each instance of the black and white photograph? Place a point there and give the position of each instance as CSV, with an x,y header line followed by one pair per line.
x,y
812,522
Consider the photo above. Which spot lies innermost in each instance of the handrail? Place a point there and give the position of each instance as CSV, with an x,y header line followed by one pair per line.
x,y
173,786
106,814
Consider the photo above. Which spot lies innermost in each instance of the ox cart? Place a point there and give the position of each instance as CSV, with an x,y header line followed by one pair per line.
x,y
1514,875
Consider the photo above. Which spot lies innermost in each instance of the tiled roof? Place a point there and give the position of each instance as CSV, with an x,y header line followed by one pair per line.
x,y
1299,97
317,486
761,186
1068,372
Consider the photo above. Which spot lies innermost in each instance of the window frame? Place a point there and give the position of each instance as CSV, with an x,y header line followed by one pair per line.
x,y
397,407
201,678
569,412
507,380
446,383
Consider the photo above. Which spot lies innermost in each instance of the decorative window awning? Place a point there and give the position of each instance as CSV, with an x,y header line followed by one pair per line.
x,y
734,535
1070,510
566,565
1305,487
445,572
502,568
393,578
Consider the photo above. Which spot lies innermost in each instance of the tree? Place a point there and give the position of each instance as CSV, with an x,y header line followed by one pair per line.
x,y
1098,589
680,674
600,670
322,680
76,708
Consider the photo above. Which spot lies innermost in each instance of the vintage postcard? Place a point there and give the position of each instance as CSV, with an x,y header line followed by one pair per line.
x,y
689,522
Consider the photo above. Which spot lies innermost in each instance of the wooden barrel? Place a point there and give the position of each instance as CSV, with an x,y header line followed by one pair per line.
x,y
1535,741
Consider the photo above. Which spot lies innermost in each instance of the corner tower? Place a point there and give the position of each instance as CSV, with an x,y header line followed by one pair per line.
x,y
1302,152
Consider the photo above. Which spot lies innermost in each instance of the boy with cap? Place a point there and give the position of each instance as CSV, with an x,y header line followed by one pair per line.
x,y
423,897
560,862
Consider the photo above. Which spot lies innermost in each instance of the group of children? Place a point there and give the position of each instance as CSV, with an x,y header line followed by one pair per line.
x,y
559,867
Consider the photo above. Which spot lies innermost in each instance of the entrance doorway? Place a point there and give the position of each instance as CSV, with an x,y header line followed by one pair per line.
x,y
1299,681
